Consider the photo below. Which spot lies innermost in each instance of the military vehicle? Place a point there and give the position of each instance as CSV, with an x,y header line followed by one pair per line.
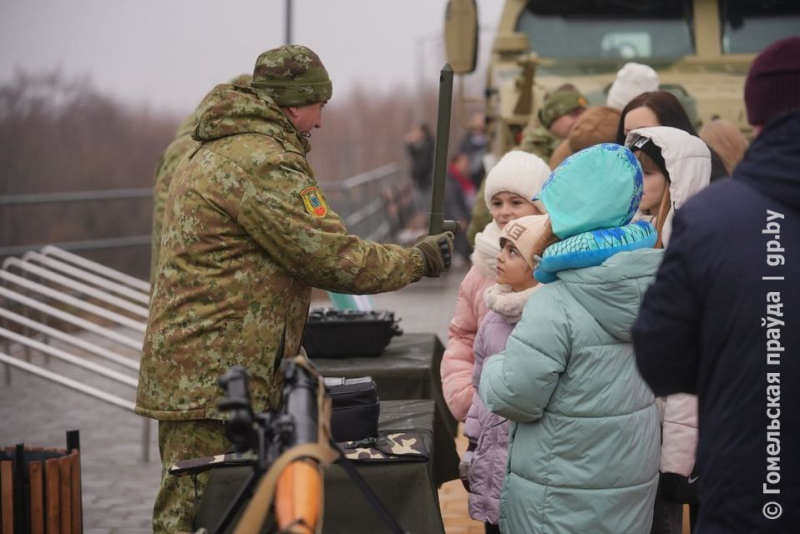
x,y
701,49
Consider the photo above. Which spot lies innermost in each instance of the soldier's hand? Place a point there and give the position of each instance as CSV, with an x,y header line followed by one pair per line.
x,y
437,251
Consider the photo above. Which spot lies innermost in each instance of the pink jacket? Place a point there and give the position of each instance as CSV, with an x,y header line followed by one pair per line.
x,y
679,440
458,358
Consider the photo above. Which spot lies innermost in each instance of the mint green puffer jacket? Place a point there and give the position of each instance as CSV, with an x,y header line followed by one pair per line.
x,y
584,452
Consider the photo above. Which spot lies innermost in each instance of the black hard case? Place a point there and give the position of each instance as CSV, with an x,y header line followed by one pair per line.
x,y
356,408
348,334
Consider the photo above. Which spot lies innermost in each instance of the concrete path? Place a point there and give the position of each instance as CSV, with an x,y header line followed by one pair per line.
x,y
118,487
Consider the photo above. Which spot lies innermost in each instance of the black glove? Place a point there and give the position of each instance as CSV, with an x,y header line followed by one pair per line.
x,y
679,489
437,251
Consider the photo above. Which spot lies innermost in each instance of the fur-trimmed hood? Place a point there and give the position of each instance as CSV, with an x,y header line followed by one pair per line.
x,y
502,300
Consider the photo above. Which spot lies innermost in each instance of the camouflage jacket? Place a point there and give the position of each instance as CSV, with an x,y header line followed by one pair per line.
x,y
246,235
481,216
539,141
170,158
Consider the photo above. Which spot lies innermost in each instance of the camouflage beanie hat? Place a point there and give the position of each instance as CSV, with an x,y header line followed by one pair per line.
x,y
558,103
292,75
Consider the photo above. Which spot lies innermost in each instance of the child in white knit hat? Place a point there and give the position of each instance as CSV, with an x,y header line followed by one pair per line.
x,y
510,186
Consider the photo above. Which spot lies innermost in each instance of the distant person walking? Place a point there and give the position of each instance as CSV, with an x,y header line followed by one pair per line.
x,y
420,147
722,320
475,145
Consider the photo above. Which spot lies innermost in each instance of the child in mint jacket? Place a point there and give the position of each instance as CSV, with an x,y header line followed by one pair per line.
x,y
585,440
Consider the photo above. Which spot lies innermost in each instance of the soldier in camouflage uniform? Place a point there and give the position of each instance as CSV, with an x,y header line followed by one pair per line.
x,y
170,158
247,233
553,122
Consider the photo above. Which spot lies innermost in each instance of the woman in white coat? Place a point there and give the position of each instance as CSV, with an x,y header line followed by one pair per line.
x,y
676,166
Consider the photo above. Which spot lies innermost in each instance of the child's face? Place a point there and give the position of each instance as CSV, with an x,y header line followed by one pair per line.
x,y
655,184
512,269
506,206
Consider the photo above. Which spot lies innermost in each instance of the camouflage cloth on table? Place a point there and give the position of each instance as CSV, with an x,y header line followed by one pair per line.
x,y
199,465
247,233
481,216
178,498
538,140
398,447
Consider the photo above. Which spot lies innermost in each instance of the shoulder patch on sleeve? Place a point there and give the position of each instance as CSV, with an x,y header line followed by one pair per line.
x,y
314,201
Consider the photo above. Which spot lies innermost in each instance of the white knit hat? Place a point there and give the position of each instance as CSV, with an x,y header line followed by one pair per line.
x,y
517,172
632,80
525,233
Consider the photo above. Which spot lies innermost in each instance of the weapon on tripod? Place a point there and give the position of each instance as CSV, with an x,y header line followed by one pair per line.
x,y
437,224
292,447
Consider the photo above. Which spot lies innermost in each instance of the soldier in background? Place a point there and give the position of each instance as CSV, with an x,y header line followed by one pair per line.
x,y
247,233
165,170
552,124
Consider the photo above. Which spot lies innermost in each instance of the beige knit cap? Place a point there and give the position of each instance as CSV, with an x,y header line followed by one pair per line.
x,y
525,233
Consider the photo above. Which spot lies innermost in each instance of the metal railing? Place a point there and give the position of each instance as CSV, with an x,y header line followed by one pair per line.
x,y
83,330
78,196
51,295
361,201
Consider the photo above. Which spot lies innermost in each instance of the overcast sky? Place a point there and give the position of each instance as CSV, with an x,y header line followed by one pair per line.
x,y
169,53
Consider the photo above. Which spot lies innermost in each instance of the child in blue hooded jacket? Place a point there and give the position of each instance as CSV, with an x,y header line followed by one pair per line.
x,y
585,440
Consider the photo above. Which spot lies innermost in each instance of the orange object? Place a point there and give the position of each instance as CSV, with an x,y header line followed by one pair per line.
x,y
298,497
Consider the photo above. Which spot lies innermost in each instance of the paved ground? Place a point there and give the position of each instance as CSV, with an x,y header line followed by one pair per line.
x,y
118,487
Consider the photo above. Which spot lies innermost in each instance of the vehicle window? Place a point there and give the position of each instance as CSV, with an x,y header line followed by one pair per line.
x,y
749,26
624,29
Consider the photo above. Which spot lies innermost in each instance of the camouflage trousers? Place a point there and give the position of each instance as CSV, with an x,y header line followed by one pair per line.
x,y
178,497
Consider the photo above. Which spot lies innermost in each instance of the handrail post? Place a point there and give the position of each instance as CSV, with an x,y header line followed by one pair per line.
x,y
146,440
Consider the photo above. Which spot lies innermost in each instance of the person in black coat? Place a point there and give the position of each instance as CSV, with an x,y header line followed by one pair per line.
x,y
722,319
420,147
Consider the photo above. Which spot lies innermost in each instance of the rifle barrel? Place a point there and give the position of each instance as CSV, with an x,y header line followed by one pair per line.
x,y
436,223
